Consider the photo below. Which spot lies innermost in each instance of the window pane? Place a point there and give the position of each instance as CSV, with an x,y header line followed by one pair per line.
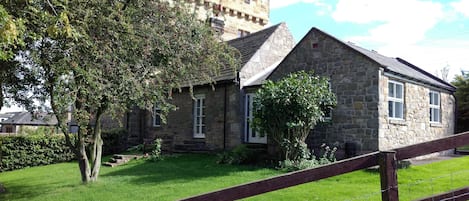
x,y
431,98
203,129
434,115
391,90
399,110
431,114
391,109
399,91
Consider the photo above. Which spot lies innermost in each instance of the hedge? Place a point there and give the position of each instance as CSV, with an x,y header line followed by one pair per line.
x,y
22,151
114,141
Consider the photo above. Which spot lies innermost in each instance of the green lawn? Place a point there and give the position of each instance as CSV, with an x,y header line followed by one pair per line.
x,y
185,175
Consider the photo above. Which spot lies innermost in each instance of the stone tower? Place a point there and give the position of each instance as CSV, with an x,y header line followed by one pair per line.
x,y
233,18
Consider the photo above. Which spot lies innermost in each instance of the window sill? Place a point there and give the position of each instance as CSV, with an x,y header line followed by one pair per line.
x,y
436,124
400,122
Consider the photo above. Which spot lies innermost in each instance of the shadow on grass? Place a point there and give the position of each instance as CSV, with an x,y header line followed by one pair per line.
x,y
23,189
178,169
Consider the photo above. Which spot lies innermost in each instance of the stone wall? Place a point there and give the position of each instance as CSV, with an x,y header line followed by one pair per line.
x,y
272,51
179,123
354,80
416,126
236,14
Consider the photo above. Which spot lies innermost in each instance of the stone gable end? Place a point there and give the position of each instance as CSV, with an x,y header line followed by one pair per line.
x,y
354,80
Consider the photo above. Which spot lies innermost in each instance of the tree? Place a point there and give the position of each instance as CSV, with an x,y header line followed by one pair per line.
x,y
102,57
11,40
462,98
288,109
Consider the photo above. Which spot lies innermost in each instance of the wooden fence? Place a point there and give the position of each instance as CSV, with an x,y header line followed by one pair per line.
x,y
387,161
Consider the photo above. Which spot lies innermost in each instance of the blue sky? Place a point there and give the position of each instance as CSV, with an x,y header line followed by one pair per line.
x,y
431,34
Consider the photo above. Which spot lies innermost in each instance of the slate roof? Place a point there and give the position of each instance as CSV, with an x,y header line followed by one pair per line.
x,y
397,66
26,118
247,47
7,115
403,68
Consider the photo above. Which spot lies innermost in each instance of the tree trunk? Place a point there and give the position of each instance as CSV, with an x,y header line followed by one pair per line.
x,y
97,148
83,162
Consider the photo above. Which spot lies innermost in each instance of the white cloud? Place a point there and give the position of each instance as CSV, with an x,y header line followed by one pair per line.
x,y
398,21
274,4
399,27
461,6
432,56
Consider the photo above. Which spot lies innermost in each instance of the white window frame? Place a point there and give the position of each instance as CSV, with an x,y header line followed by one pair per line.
x,y
435,106
199,116
394,100
156,116
248,116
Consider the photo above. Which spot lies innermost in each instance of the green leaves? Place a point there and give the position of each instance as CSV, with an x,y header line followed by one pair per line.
x,y
11,31
462,99
103,57
289,108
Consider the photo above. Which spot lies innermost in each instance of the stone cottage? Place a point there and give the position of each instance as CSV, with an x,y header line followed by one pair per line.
x,y
214,118
383,102
15,122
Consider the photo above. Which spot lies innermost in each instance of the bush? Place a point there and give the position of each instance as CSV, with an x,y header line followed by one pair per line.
x,y
326,156
241,154
22,151
303,100
114,141
155,154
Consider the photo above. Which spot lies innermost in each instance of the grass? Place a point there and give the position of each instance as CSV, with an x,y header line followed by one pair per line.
x,y
191,174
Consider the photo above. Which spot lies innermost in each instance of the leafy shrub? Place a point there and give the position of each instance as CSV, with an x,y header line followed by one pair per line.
x,y
241,154
326,156
303,100
22,151
114,141
155,154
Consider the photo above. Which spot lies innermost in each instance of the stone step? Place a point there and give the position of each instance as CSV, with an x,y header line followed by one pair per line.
x,y
119,159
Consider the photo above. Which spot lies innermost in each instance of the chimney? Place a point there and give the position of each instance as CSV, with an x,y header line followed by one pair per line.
x,y
216,21
217,24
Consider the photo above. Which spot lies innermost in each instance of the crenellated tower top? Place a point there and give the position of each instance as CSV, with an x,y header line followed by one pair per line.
x,y
234,18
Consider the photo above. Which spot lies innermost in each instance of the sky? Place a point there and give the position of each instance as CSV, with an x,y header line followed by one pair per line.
x,y
430,34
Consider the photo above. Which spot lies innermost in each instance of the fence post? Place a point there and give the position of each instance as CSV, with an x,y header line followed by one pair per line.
x,y
388,174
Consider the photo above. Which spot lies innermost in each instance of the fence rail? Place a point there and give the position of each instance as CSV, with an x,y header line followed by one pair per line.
x,y
461,194
387,160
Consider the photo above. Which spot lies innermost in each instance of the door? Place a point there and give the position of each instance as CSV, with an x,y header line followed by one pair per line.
x,y
252,136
